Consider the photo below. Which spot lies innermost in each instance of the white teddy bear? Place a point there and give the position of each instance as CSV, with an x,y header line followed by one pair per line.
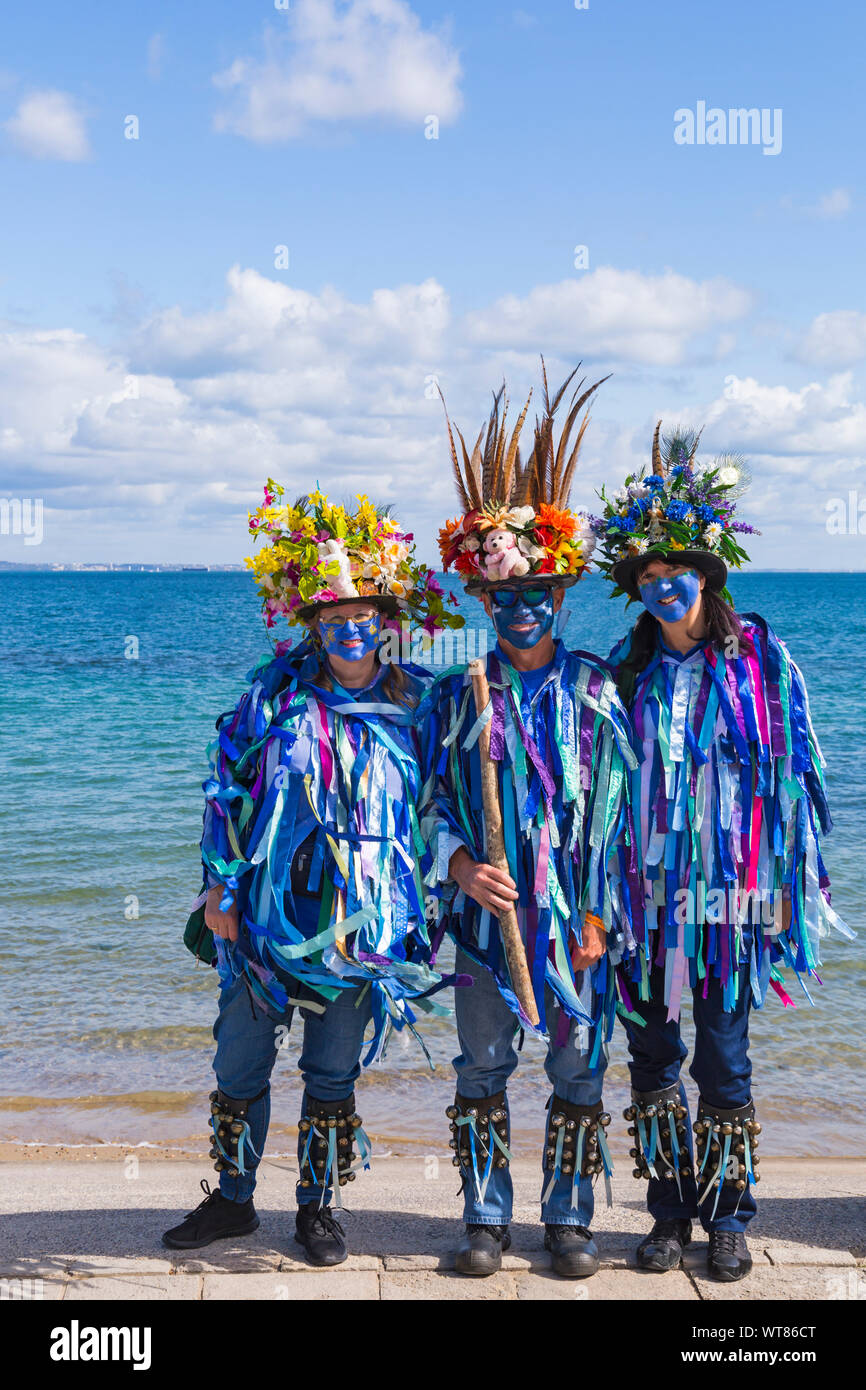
x,y
502,557
342,582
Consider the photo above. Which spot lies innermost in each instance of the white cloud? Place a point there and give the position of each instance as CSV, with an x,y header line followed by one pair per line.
x,y
343,61
162,449
155,56
828,208
49,125
835,339
614,313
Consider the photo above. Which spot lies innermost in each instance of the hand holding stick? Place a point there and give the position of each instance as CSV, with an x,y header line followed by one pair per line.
x,y
515,953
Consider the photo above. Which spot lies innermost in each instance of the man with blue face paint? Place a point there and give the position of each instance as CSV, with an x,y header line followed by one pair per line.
x,y
559,739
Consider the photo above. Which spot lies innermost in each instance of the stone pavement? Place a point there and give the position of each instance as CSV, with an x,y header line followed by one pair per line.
x,y
91,1230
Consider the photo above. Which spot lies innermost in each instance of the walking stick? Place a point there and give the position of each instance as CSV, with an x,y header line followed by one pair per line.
x,y
511,938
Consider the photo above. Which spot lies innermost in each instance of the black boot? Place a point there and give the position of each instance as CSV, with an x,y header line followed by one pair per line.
x,y
480,1251
320,1233
574,1253
728,1258
216,1218
663,1248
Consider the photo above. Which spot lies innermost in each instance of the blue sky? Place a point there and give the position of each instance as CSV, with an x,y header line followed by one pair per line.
x,y
155,364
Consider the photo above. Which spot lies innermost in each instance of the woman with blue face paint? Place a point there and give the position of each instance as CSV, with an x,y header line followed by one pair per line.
x,y
313,859
559,740
731,801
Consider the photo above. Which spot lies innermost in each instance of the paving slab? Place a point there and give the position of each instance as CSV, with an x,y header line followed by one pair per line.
x,y
812,1284
436,1286
608,1285
326,1284
146,1288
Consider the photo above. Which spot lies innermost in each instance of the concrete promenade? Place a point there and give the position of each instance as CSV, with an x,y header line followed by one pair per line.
x,y
90,1229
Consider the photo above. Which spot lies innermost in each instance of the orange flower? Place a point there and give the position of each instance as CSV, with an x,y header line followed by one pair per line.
x,y
556,518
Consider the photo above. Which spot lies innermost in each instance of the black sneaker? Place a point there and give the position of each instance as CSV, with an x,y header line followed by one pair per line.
x,y
320,1233
216,1218
480,1251
663,1248
728,1258
574,1253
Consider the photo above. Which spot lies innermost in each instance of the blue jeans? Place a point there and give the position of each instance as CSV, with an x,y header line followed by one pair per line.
x,y
722,1069
486,1030
248,1040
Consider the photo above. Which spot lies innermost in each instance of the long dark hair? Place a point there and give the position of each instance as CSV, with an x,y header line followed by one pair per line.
x,y
722,625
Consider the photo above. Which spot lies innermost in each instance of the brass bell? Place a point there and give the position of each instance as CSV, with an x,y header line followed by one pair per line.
x,y
557,1121
633,1153
651,1112
456,1161
237,1127
472,1113
350,1177
305,1182
632,1131
727,1128
637,1173
501,1161
570,1124
604,1119
452,1112
304,1126
567,1168
343,1181
584,1122
355,1122
628,1113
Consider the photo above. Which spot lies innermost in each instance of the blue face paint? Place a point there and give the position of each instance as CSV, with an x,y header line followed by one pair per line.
x,y
538,616
363,636
682,588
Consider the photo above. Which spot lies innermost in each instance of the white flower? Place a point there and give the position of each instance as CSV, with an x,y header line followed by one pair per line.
x,y
638,490
712,533
527,547
621,495
637,546
728,476
520,516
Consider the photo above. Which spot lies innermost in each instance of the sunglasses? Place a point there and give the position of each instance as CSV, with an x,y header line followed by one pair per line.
x,y
508,598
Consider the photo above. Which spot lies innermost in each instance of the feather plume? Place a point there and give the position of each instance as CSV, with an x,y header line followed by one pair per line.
x,y
658,466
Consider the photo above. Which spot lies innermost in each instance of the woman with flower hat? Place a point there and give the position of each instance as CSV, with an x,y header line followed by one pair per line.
x,y
731,801
313,856
559,742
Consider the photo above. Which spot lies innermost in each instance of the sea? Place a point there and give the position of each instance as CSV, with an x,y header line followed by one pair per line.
x,y
110,683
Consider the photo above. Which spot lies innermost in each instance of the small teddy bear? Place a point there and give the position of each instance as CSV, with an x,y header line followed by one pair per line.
x,y
342,582
502,557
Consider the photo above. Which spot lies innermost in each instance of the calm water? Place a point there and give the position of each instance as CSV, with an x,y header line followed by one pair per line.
x,y
104,1018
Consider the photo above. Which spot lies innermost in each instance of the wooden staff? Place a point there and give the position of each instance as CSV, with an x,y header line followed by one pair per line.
x,y
511,938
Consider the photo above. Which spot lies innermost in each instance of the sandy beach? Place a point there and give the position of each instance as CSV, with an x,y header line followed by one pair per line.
x,y
85,1223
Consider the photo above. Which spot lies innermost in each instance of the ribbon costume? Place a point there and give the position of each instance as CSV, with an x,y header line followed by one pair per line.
x,y
559,738
311,842
729,803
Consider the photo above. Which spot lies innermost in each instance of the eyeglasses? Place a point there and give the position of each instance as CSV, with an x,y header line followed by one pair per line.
x,y
508,598
338,620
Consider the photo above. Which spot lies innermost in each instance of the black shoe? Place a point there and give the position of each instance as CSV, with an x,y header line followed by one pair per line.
x,y
215,1218
728,1258
574,1253
663,1248
480,1251
320,1233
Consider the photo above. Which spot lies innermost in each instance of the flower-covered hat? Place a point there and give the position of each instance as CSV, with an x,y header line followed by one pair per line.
x,y
517,528
682,512
318,553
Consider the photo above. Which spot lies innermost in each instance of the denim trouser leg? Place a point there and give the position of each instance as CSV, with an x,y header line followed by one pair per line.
x,y
246,1038
486,1029
330,1062
568,1071
722,1070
